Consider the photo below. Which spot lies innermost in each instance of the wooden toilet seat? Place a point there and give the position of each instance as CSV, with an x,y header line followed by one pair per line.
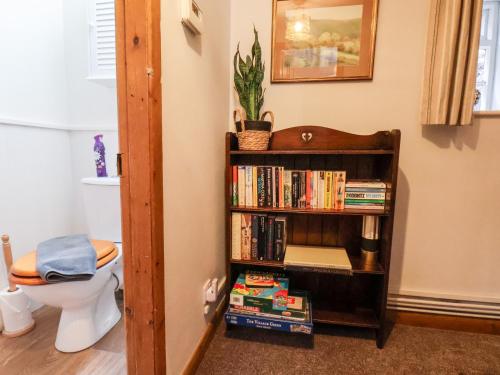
x,y
23,271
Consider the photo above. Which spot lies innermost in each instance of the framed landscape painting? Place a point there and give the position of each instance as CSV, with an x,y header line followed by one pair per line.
x,y
323,40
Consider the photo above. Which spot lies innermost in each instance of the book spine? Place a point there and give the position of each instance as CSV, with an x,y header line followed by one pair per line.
x,y
282,187
308,189
321,189
246,236
261,244
328,189
248,186
279,233
287,188
255,197
241,185
270,238
236,236
269,187
314,189
365,190
261,191
365,201
302,192
364,207
339,189
234,185
366,184
276,186
255,238
295,189
362,195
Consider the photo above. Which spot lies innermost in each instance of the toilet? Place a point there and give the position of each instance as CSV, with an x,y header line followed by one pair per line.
x,y
89,308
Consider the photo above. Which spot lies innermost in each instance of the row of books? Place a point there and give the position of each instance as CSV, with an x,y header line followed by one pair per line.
x,y
262,300
258,237
369,195
271,186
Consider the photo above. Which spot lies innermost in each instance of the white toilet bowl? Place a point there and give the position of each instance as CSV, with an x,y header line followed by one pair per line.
x,y
89,308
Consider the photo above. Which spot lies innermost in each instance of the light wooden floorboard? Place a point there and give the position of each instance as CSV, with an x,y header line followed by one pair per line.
x,y
35,353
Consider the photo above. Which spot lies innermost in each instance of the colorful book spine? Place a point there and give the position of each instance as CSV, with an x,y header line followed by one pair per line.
x,y
255,197
248,186
269,186
363,195
282,187
339,191
241,185
255,238
270,238
321,189
328,189
314,189
261,190
234,185
287,189
308,189
302,199
295,189
246,236
236,236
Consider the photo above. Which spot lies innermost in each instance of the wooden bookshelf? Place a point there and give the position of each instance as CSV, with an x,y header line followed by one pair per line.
x,y
359,299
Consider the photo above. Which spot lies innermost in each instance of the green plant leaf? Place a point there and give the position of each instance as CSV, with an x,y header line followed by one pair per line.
x,y
256,50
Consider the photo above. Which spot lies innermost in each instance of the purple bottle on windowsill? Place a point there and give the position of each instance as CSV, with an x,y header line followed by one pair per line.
x,y
100,156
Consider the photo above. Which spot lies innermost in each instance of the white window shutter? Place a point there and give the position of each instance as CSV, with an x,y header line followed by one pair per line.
x,y
102,50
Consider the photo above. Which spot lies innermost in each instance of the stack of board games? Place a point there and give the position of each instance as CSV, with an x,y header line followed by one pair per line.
x,y
365,195
277,187
258,237
262,300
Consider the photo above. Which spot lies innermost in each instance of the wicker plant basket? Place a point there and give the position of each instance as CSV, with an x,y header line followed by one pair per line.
x,y
253,135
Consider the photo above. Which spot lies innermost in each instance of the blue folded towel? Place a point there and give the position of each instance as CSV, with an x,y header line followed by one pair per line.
x,y
69,258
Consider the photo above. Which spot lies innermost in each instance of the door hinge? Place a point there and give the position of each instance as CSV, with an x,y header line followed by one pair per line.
x,y
119,165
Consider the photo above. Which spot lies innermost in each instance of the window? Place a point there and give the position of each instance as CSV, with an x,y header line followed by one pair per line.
x,y
102,54
488,68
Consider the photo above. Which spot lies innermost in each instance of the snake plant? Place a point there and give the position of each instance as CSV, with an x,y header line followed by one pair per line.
x,y
248,77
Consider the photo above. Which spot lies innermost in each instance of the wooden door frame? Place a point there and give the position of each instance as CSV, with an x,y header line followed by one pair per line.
x,y
140,136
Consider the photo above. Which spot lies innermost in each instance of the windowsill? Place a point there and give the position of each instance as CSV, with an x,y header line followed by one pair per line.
x,y
105,81
487,114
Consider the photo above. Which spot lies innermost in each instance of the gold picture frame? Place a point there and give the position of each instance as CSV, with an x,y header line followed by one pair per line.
x,y
323,40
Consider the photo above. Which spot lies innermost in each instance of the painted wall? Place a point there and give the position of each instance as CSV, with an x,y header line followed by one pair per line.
x,y
92,103
446,227
36,79
195,107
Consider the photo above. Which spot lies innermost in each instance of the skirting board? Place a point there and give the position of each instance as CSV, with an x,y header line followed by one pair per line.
x,y
444,306
205,341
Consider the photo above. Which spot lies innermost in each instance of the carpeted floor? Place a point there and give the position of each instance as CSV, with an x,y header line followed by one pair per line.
x,y
409,350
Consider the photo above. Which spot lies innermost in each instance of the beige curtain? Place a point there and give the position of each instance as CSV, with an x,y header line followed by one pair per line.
x,y
451,62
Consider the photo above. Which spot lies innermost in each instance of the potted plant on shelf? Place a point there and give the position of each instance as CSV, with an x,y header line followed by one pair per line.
x,y
252,130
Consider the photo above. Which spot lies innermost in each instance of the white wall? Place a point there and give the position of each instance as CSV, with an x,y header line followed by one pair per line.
x,y
195,106
32,67
92,104
446,227
35,191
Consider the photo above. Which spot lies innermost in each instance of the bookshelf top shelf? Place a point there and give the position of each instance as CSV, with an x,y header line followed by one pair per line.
x,y
314,152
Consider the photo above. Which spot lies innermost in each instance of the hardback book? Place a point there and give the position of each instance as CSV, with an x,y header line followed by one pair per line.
x,y
267,299
339,192
302,190
297,308
321,189
248,186
246,236
295,189
270,250
279,237
316,257
255,197
236,236
308,188
261,244
287,188
241,185
269,186
328,189
234,186
255,237
281,187
261,190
